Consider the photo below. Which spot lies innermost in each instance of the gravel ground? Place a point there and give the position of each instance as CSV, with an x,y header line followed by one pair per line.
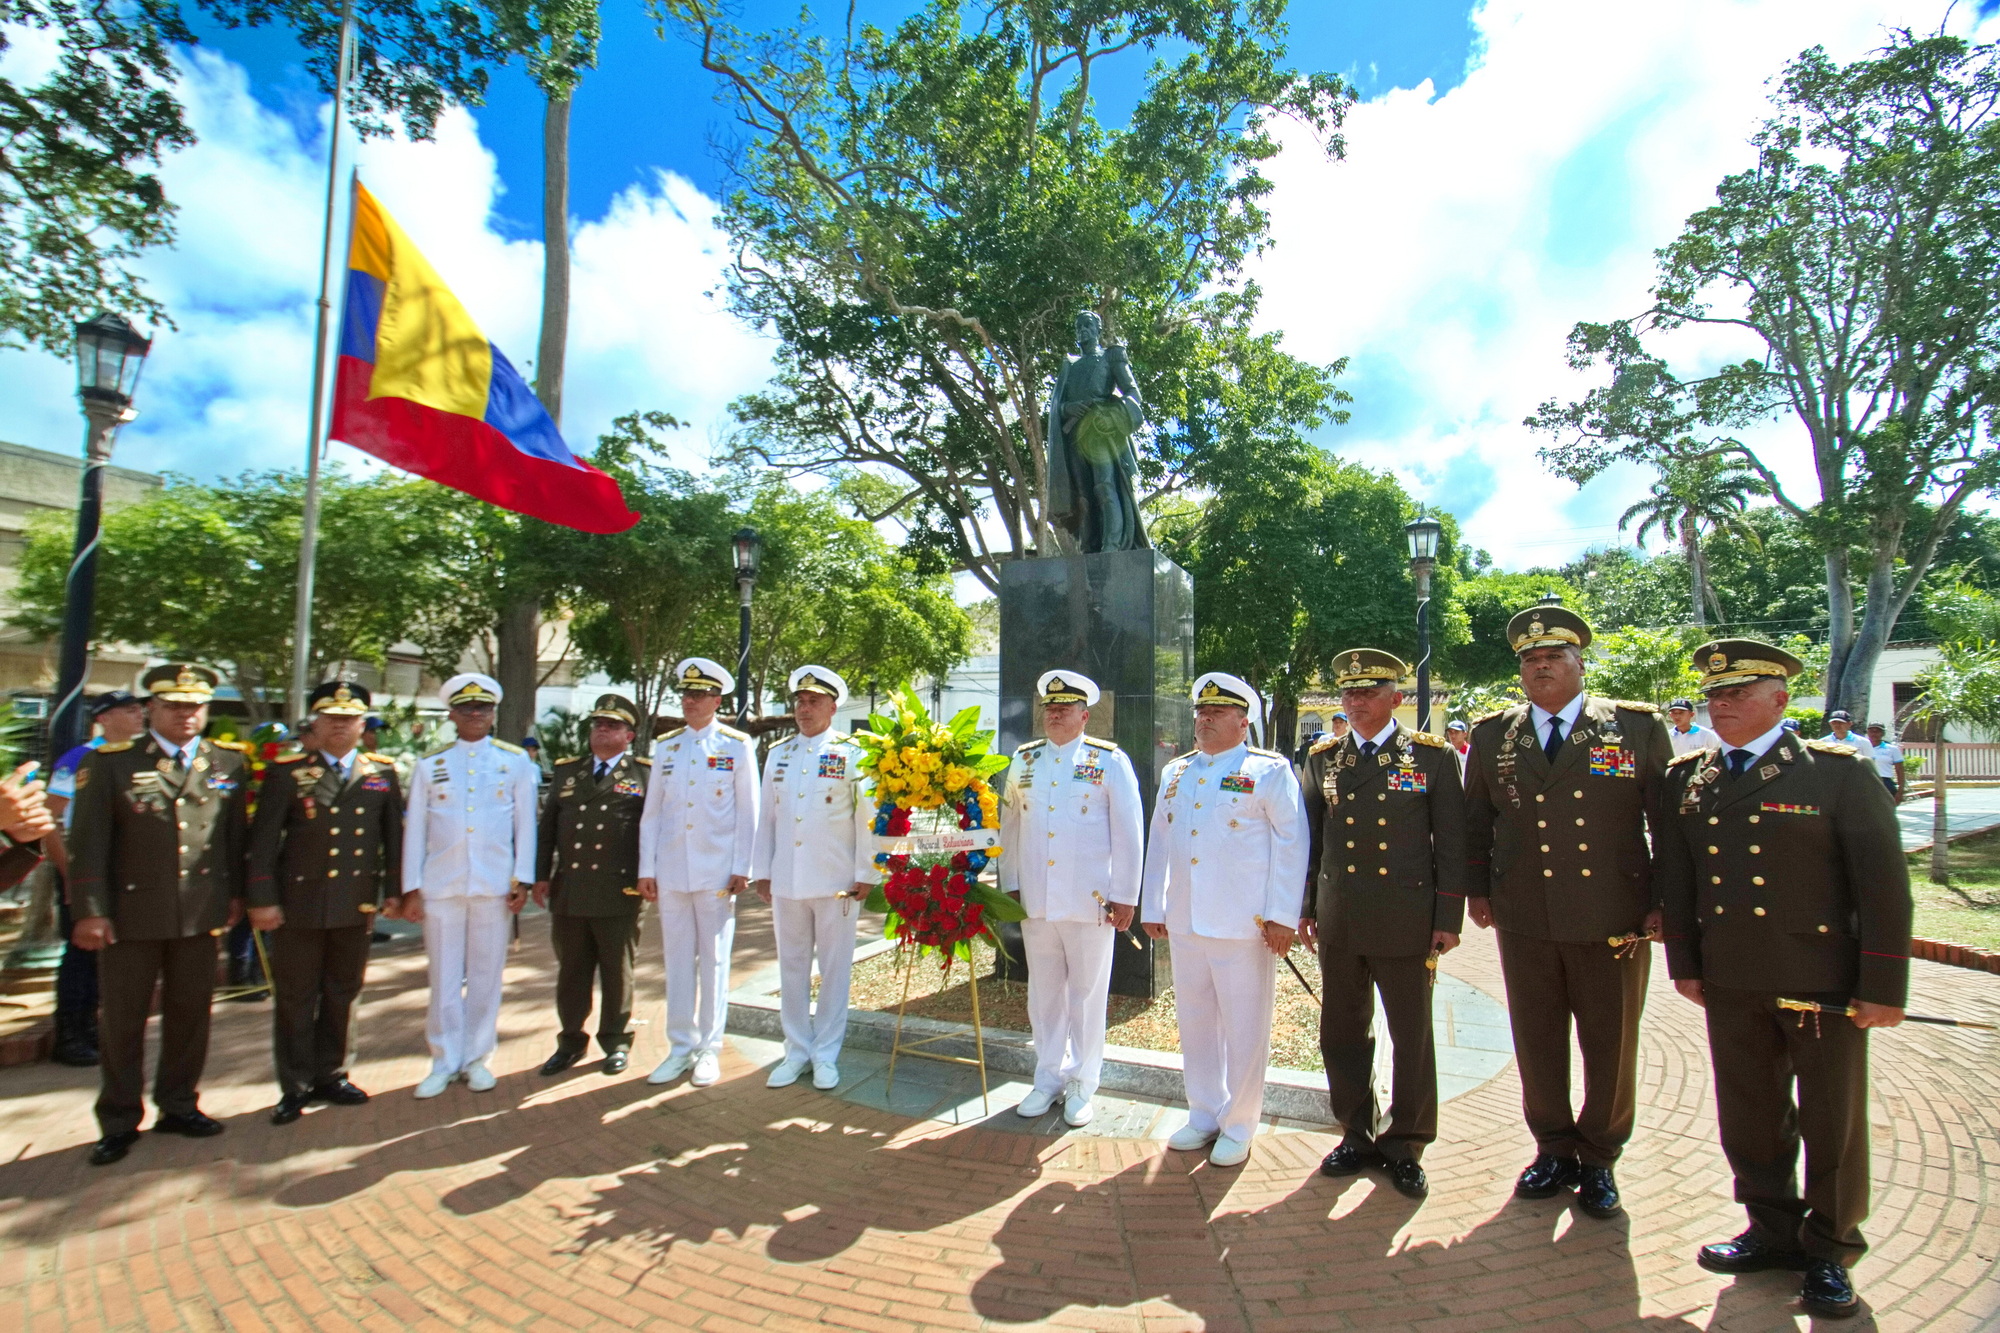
x,y
878,985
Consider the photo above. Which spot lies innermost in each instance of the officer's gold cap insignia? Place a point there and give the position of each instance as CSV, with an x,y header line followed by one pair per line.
x,y
1547,627
1729,662
617,708
1535,627
1368,666
694,678
341,698
181,683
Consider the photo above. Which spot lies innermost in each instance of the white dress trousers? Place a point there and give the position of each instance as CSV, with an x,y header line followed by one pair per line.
x,y
696,832
1070,823
470,833
814,840
1228,844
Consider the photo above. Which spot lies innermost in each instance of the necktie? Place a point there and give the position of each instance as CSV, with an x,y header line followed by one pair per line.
x,y
1738,761
1555,742
1367,749
180,763
602,769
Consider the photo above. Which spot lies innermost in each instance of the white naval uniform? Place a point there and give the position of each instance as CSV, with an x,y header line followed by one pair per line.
x,y
1228,844
1071,824
469,835
814,840
696,832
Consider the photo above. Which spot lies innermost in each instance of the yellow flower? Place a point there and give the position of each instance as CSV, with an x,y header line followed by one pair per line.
x,y
888,762
955,777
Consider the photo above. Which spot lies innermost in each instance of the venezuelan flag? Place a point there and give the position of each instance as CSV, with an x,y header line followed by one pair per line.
x,y
420,387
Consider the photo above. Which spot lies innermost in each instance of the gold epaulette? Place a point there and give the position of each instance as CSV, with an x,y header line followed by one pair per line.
x,y
240,747
1425,738
637,760
442,749
731,731
290,757
1097,744
1268,754
670,735
1326,743
1488,717
113,747
509,747
377,757
1026,746
573,759
1830,747
1685,757
1189,755
1634,706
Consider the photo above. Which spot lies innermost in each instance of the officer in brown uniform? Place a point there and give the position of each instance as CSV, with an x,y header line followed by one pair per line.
x,y
587,875
1781,867
1560,792
326,854
1386,891
156,874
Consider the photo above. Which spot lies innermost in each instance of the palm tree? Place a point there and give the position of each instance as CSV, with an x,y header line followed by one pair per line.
x,y
1694,495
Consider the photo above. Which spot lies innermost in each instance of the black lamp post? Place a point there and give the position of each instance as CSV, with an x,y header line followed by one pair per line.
x,y
1423,532
109,355
747,546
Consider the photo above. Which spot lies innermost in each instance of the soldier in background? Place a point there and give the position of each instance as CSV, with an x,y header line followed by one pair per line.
x,y
1560,793
587,875
156,875
1384,895
1783,874
326,854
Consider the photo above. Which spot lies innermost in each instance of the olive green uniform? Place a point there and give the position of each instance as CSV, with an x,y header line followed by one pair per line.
x,y
328,852
1559,848
588,851
159,851
1788,880
1387,870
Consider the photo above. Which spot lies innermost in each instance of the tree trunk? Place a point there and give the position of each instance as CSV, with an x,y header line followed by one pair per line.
x,y
1940,839
1691,547
520,628
1839,626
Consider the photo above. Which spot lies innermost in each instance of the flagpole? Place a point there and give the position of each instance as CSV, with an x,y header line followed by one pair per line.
x,y
295,700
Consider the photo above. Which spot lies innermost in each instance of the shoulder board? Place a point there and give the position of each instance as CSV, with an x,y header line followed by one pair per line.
x,y
1325,743
637,760
239,746
1830,747
114,747
1189,755
442,749
1268,754
377,757
733,733
291,758
565,763
1686,757
675,732
1425,738
1488,717
1030,745
839,738
509,747
1631,706
1097,744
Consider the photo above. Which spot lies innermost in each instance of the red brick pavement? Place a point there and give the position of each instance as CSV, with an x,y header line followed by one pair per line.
x,y
587,1202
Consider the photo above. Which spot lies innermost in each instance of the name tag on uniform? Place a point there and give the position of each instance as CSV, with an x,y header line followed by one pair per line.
x,y
1409,779
723,762
1777,808
1613,761
833,766
1239,782
1091,773
375,782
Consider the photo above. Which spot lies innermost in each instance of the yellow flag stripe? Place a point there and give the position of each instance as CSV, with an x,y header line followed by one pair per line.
x,y
428,348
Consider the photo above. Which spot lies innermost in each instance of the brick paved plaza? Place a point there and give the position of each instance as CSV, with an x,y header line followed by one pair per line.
x,y
587,1202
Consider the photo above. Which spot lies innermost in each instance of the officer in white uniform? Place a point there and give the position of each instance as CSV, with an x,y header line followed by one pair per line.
x,y
814,856
468,857
695,839
1072,826
1228,845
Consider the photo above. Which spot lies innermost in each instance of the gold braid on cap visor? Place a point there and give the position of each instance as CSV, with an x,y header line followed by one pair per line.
x,y
1364,678
1748,668
1548,638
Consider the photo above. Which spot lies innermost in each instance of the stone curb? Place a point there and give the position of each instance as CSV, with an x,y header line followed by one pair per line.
x,y
1290,1094
1956,955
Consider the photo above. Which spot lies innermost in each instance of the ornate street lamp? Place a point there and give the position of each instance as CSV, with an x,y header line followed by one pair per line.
x,y
747,546
1423,532
109,356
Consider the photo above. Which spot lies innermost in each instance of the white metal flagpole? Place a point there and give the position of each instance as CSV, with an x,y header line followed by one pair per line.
x,y
295,700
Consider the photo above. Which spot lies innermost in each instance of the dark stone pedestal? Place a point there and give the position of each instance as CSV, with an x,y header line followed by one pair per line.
x,y
1126,620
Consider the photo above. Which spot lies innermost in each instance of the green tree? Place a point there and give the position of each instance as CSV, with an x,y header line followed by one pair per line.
x,y
921,212
1963,687
1693,496
1487,602
79,197
1860,255
1651,666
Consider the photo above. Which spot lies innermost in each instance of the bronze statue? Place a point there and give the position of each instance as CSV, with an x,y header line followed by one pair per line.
x,y
1093,414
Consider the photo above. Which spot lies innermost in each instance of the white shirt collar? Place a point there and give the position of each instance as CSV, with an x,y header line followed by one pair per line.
x,y
1065,751
1756,747
613,761
340,760
1569,713
172,749
703,733
1381,738
465,744
816,742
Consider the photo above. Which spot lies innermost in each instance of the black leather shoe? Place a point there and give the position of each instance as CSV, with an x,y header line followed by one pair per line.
x,y
1749,1253
290,1107
615,1062
112,1148
339,1092
1597,1192
1548,1176
75,1052
1349,1160
1408,1178
194,1124
1826,1291
560,1061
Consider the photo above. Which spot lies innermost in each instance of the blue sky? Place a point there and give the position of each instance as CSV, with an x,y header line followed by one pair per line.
x,y
1511,169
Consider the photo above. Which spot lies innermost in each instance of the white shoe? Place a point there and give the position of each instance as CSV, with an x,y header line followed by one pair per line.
x,y
1077,1109
826,1077
478,1077
670,1069
1228,1152
1035,1103
1189,1139
434,1085
786,1074
707,1069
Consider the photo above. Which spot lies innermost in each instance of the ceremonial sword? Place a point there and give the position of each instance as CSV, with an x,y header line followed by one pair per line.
x,y
1287,956
1804,1007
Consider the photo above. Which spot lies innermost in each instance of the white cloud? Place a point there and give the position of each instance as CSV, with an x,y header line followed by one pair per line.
x,y
228,389
1452,250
